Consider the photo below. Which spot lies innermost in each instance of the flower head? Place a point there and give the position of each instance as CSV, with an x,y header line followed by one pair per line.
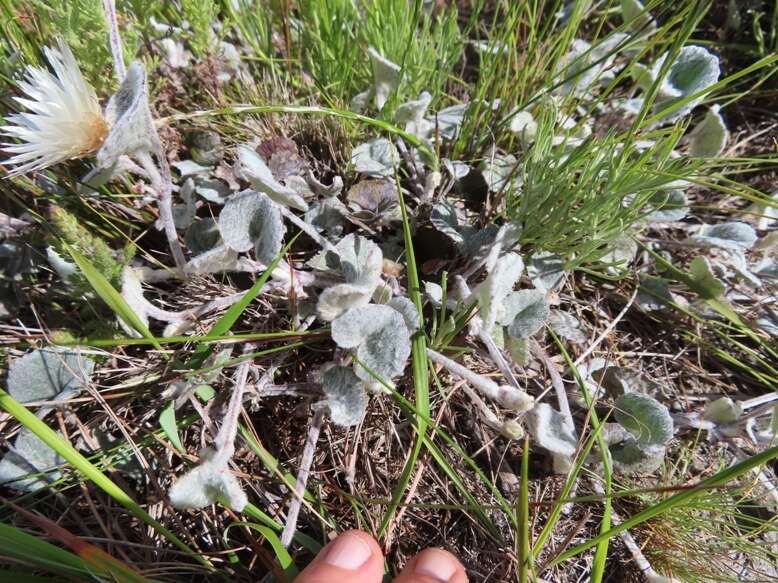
x,y
64,119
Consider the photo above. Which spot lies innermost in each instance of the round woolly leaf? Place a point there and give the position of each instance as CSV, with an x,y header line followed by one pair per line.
x,y
44,374
525,312
546,270
670,206
261,178
380,337
340,298
378,157
202,235
359,261
386,76
29,456
723,411
408,311
345,394
444,218
645,417
632,458
550,431
731,235
710,136
250,219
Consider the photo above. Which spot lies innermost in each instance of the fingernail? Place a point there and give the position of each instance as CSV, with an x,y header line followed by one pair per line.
x,y
436,564
348,552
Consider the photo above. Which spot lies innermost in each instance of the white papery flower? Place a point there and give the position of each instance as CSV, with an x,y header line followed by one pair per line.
x,y
64,119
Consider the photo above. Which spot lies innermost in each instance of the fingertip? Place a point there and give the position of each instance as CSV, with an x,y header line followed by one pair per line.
x,y
353,557
433,566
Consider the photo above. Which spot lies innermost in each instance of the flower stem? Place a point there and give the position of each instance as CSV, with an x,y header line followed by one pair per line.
x,y
109,7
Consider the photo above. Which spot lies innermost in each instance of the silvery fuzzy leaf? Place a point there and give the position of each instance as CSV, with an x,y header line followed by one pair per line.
x,y
43,374
519,349
670,206
299,185
204,485
585,64
645,417
360,101
654,294
212,189
374,199
434,292
524,312
218,259
500,171
338,299
456,169
327,190
132,294
566,326
202,235
633,12
359,261
380,337
723,411
65,269
378,157
129,117
345,395
732,235
550,431
328,217
769,323
254,169
739,262
524,125
382,293
632,458
546,270
411,114
184,214
767,268
448,120
250,219
444,218
477,244
189,168
497,285
707,286
29,456
695,70
408,311
386,77
622,252
710,136
618,381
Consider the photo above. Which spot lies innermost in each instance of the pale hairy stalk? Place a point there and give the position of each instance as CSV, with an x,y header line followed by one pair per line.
x,y
510,429
161,183
477,329
225,439
307,229
556,381
507,396
288,390
302,477
114,39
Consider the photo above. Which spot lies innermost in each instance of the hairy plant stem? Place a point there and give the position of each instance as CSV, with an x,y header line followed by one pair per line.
x,y
302,477
114,39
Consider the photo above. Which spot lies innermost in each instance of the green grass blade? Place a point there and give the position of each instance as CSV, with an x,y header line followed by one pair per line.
x,y
17,544
228,319
420,373
282,555
525,556
111,297
718,479
83,465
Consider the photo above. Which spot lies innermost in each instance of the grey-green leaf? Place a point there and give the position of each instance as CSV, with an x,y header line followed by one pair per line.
x,y
345,395
525,312
45,374
645,417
